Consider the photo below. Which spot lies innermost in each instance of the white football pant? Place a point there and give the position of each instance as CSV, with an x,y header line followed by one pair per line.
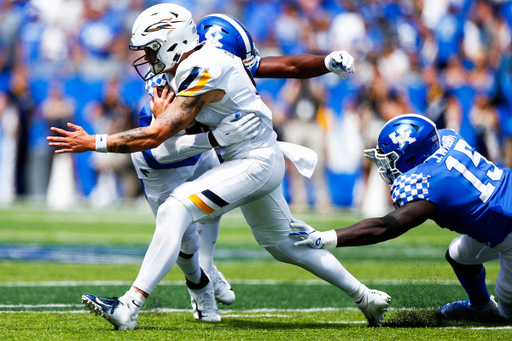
x,y
466,250
239,181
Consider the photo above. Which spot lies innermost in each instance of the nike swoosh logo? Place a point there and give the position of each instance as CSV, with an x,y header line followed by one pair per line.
x,y
133,301
101,138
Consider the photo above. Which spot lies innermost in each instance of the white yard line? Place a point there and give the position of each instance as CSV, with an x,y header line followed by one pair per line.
x,y
234,281
225,313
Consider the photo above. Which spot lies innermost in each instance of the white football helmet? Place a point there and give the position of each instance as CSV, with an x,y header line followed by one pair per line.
x,y
168,30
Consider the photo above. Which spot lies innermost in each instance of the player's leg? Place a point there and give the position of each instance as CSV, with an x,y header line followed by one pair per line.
x,y
172,221
269,218
504,280
209,232
466,256
188,258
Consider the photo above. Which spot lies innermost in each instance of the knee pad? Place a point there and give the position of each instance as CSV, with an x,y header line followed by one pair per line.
x,y
191,241
463,270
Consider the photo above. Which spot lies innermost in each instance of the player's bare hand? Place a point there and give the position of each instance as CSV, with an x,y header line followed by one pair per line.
x,y
160,100
75,141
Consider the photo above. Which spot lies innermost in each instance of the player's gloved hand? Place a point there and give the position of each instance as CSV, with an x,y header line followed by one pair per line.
x,y
313,238
236,128
340,62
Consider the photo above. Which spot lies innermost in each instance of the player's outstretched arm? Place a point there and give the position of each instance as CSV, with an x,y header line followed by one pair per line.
x,y
174,119
368,231
306,66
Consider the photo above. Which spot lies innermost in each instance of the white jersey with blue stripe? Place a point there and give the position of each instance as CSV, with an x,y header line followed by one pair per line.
x,y
472,194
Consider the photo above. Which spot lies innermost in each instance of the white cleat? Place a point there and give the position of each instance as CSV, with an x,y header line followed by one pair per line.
x,y
223,292
111,309
204,306
374,305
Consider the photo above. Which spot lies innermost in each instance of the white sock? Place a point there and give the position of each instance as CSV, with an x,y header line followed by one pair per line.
x,y
209,234
190,267
359,293
172,220
134,299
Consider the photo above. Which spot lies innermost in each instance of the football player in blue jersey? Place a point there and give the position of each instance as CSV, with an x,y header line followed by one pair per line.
x,y
436,175
227,33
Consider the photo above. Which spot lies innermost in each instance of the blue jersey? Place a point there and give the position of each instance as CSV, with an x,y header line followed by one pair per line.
x,y
145,117
472,195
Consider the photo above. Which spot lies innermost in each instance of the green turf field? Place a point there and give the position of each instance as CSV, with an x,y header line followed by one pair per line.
x,y
41,299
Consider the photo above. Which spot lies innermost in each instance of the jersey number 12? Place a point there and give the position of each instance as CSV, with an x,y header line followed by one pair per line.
x,y
486,189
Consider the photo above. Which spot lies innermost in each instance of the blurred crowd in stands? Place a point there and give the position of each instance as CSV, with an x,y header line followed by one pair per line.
x,y
68,60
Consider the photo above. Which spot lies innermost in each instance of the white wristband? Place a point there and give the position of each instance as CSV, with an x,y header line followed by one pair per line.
x,y
327,62
330,238
101,143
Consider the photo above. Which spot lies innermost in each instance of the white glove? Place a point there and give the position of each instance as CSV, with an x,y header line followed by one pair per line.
x,y
313,238
235,128
340,62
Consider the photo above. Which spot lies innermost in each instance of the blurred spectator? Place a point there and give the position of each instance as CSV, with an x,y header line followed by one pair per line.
x,y
449,31
58,110
115,171
9,127
450,60
99,35
347,29
19,95
305,114
291,30
484,117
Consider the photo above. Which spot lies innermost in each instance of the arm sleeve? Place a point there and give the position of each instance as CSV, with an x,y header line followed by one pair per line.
x,y
179,148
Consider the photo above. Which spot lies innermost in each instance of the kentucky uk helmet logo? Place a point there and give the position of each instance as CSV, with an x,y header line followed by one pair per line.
x,y
403,137
164,24
213,37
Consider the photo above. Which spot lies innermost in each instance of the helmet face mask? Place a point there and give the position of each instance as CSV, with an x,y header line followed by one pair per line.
x,y
404,142
165,31
155,65
385,163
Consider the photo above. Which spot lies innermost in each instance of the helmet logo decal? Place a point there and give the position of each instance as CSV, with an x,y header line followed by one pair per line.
x,y
213,37
164,24
403,137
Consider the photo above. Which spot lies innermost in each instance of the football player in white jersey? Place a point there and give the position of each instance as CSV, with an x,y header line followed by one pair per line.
x,y
210,85
161,170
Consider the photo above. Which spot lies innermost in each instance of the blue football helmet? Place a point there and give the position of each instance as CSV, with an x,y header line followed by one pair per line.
x,y
404,142
227,33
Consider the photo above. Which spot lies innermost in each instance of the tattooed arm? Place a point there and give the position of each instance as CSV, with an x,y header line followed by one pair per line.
x,y
174,119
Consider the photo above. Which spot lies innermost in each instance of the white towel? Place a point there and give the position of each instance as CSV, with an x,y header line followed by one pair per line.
x,y
304,159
